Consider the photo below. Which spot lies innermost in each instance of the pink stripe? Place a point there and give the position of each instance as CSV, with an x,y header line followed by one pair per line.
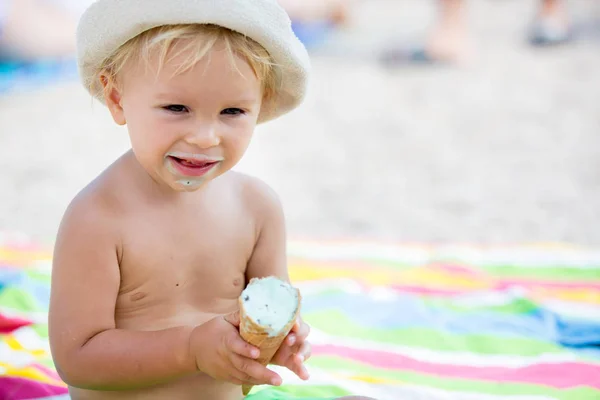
x,y
559,375
48,372
358,266
425,291
457,269
24,389
8,325
531,284
500,286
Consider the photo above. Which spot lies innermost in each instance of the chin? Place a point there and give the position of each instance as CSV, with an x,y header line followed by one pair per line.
x,y
189,185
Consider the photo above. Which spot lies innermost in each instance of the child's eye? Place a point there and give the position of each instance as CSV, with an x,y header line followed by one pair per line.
x,y
233,111
176,108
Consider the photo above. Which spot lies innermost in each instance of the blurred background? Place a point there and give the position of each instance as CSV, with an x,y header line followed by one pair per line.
x,y
426,121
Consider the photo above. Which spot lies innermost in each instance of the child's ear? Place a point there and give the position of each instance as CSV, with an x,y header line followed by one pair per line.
x,y
112,97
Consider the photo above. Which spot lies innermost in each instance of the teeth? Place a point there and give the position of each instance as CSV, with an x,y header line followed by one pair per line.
x,y
192,163
195,163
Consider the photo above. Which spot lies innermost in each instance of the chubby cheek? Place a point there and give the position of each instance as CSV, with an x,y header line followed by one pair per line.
x,y
150,139
237,144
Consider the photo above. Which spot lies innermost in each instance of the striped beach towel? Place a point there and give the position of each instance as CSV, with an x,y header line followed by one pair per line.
x,y
388,321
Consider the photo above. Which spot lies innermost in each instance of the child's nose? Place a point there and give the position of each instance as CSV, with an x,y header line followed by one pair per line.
x,y
204,136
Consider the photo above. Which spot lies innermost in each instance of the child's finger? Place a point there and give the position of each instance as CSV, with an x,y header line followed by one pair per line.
x,y
302,372
296,325
303,330
237,345
296,365
250,371
305,352
233,318
295,362
291,339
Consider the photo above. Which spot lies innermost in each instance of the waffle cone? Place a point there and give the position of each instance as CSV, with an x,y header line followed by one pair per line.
x,y
258,336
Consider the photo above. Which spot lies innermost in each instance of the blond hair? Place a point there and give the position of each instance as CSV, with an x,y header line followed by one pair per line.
x,y
197,40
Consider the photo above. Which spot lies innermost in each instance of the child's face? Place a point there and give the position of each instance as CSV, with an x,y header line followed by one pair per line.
x,y
188,128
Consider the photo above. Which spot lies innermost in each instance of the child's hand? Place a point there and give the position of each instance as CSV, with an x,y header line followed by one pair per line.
x,y
221,353
295,350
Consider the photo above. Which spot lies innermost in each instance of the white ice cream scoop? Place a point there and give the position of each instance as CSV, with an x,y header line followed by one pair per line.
x,y
269,308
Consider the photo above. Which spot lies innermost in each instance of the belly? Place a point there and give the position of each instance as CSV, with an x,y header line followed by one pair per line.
x,y
198,387
195,387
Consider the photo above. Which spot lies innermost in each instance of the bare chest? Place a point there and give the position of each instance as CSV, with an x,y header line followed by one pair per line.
x,y
178,269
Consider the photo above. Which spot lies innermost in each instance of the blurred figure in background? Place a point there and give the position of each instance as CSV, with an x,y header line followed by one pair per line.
x,y
38,29
313,10
37,42
448,39
313,20
34,29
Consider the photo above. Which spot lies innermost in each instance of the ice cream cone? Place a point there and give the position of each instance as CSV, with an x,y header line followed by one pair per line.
x,y
266,335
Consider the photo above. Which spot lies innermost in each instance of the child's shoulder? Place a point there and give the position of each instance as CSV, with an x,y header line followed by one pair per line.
x,y
252,187
255,192
95,205
88,226
91,207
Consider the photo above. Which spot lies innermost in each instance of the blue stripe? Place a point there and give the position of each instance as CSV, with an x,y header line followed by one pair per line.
x,y
409,311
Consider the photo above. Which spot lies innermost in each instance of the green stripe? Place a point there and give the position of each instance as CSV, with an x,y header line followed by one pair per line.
x,y
560,274
453,384
38,276
41,330
337,324
46,362
300,392
19,300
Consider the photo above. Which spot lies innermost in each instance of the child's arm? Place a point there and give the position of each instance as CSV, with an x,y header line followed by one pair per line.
x,y
269,257
88,350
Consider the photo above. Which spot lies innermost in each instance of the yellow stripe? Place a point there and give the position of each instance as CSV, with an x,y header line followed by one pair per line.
x,y
23,257
590,296
372,379
419,277
14,344
443,279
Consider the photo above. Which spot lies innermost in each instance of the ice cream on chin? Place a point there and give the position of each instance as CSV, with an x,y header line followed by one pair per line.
x,y
269,308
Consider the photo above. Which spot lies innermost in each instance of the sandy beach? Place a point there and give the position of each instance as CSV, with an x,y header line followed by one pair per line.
x,y
504,150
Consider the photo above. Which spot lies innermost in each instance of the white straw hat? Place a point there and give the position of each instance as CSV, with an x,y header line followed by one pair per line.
x,y
108,24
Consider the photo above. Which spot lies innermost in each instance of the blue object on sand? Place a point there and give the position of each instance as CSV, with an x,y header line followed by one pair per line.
x,y
17,76
312,33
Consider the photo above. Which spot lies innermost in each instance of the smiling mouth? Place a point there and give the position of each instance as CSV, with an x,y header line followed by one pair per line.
x,y
191,167
193,163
